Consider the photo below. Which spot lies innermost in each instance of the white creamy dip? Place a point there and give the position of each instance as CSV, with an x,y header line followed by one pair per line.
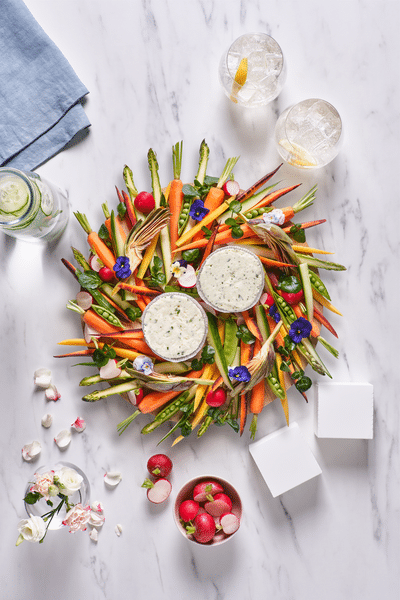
x,y
231,279
174,326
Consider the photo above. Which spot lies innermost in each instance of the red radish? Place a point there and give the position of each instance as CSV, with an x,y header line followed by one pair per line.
x,y
216,398
159,465
204,528
188,279
144,202
188,509
293,298
135,396
267,299
229,522
158,491
231,187
220,504
106,274
110,370
204,490
95,263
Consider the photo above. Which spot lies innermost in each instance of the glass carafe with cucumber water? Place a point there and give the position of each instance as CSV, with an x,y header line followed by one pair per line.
x,y
31,208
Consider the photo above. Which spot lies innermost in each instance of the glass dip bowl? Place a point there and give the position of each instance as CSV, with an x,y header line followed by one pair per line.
x,y
231,279
174,326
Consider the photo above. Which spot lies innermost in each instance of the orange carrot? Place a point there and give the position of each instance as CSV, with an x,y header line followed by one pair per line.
x,y
243,413
86,352
98,323
221,238
131,334
251,325
175,203
273,263
210,245
214,198
96,243
257,397
321,318
279,338
137,289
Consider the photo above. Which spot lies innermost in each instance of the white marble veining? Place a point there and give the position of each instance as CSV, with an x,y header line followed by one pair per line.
x,y
151,68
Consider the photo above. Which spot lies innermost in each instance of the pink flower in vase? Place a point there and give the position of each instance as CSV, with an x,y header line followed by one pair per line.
x,y
77,518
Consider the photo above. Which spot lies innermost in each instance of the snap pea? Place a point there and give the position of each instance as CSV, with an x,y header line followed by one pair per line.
x,y
257,212
204,426
107,315
184,214
318,285
101,301
231,340
169,411
285,308
275,385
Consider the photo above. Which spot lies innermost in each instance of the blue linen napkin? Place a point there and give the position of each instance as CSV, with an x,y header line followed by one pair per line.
x,y
40,94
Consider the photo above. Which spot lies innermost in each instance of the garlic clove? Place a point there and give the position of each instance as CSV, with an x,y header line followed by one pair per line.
x,y
63,439
31,451
42,378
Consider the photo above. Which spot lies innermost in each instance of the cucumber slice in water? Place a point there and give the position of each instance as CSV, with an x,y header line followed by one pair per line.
x,y
14,196
46,200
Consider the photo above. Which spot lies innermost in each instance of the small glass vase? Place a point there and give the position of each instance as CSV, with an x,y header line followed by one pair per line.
x,y
41,507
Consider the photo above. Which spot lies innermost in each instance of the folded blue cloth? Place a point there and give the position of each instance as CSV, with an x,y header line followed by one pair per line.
x,y
40,108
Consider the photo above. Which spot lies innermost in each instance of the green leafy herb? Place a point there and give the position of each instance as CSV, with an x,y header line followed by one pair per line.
x,y
121,208
191,255
103,233
157,272
208,354
133,312
303,383
189,191
89,280
244,334
298,233
196,364
207,232
235,207
102,356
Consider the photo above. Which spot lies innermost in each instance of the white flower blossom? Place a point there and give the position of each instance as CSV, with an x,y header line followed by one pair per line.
x,y
68,480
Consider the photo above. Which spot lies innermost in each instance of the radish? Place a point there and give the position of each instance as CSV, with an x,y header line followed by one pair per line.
x,y
144,202
188,279
84,300
203,528
159,465
229,522
158,491
220,504
106,274
231,187
95,263
217,398
110,370
205,490
188,509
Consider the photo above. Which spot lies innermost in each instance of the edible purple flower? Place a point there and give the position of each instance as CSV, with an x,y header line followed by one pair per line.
x,y
274,313
299,329
239,374
122,267
144,364
197,210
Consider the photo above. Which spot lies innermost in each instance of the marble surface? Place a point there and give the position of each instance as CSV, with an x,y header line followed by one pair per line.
x,y
151,68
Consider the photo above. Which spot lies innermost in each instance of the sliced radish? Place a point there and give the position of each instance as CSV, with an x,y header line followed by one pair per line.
x,y
95,263
229,522
189,278
135,396
220,504
231,187
110,370
84,300
203,490
88,332
160,491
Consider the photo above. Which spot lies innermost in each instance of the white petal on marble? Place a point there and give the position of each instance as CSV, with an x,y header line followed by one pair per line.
x,y
31,451
47,420
63,439
112,478
42,378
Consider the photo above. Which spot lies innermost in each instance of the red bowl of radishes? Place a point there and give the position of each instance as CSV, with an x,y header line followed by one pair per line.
x,y
208,510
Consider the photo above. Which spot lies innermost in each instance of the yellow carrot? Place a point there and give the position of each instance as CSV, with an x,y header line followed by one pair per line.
x,y
209,218
307,250
148,255
284,401
320,298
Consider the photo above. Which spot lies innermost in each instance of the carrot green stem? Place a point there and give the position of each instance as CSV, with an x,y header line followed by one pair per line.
x,y
306,200
83,222
227,171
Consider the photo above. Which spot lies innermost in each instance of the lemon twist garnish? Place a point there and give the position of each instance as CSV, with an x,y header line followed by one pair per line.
x,y
298,155
240,78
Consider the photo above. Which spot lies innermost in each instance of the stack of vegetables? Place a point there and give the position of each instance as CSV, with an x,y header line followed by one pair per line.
x,y
155,242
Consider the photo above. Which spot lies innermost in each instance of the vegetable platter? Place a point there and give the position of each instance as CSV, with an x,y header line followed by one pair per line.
x,y
155,244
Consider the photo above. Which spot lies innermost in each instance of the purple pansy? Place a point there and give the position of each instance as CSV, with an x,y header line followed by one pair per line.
x,y
299,329
197,210
122,267
239,374
274,313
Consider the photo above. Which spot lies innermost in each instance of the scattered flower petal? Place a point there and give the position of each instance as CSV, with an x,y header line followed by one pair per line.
x,y
52,393
112,478
63,439
94,535
144,364
97,507
42,378
79,425
96,519
110,370
47,420
31,451
118,529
